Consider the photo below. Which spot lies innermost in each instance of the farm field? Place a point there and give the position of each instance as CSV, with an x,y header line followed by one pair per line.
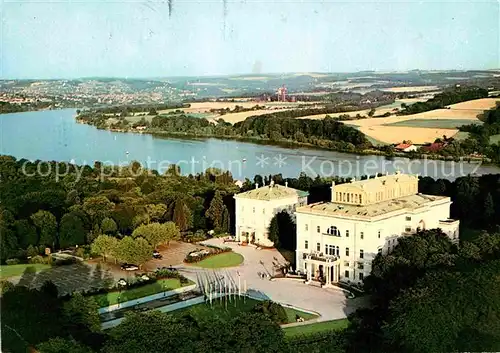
x,y
396,134
435,123
410,89
394,129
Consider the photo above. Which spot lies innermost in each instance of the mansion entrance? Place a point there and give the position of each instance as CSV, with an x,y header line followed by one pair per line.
x,y
324,271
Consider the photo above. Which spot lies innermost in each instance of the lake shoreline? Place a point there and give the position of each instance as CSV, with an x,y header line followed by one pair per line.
x,y
294,144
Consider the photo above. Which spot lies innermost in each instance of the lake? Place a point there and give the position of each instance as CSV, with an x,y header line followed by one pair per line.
x,y
55,136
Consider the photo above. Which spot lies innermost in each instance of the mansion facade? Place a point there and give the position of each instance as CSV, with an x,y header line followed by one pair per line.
x,y
337,240
256,208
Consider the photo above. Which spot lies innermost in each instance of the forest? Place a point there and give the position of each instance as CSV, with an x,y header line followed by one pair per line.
x,y
479,139
443,294
441,100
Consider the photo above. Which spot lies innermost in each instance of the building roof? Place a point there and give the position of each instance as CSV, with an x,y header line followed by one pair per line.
x,y
271,192
367,212
379,183
403,146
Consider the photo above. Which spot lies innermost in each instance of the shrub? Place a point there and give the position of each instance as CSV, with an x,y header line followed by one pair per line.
x,y
32,251
12,261
191,237
64,262
214,250
37,260
273,310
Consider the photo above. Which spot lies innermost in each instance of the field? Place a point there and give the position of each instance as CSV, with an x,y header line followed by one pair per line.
x,y
226,259
394,129
317,327
161,285
410,89
435,123
7,271
204,312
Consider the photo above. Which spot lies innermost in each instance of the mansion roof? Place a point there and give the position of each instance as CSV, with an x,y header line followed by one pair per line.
x,y
366,212
272,192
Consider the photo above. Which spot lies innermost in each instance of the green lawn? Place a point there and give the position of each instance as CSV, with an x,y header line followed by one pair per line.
x,y
7,271
461,135
162,285
225,259
494,139
317,327
205,312
436,123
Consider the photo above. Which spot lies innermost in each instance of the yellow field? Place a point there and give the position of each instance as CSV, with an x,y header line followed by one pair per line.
x,y
396,134
392,134
478,104
237,117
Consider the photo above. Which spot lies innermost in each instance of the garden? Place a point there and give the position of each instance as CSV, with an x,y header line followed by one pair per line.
x,y
140,286
214,257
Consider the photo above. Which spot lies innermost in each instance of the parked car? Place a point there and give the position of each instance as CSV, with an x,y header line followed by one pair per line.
x,y
157,255
129,267
170,268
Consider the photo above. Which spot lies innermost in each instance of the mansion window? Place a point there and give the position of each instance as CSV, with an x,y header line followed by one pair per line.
x,y
347,233
346,251
407,229
263,211
361,266
307,227
408,218
318,247
330,249
318,229
361,276
306,244
338,251
362,235
333,231
361,254
379,234
346,263
379,250
253,209
346,274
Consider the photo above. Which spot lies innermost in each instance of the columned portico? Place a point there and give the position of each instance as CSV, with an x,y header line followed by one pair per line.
x,y
321,268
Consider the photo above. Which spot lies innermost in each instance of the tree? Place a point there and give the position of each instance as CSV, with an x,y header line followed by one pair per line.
x,y
47,227
215,211
489,209
282,231
156,233
135,251
61,345
108,226
273,310
71,230
26,233
82,314
105,246
182,215
225,220
98,208
156,212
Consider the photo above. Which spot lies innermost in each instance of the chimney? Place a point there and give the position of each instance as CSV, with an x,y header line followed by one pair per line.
x,y
256,185
286,184
333,191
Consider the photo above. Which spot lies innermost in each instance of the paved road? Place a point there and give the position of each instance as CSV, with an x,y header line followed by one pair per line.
x,y
331,304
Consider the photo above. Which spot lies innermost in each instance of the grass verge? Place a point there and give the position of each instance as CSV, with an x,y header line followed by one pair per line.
x,y
226,259
316,327
7,271
162,285
218,310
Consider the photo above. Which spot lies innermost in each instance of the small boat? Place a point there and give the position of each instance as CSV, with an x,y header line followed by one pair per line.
x,y
126,152
244,159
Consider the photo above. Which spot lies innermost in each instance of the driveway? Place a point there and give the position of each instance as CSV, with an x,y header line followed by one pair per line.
x,y
331,304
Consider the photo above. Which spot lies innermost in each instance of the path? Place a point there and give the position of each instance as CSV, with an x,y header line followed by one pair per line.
x,y
331,304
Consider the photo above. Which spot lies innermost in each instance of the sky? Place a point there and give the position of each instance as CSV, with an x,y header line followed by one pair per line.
x,y
131,38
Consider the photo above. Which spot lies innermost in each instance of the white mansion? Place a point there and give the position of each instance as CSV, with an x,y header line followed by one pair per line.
x,y
256,208
337,240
